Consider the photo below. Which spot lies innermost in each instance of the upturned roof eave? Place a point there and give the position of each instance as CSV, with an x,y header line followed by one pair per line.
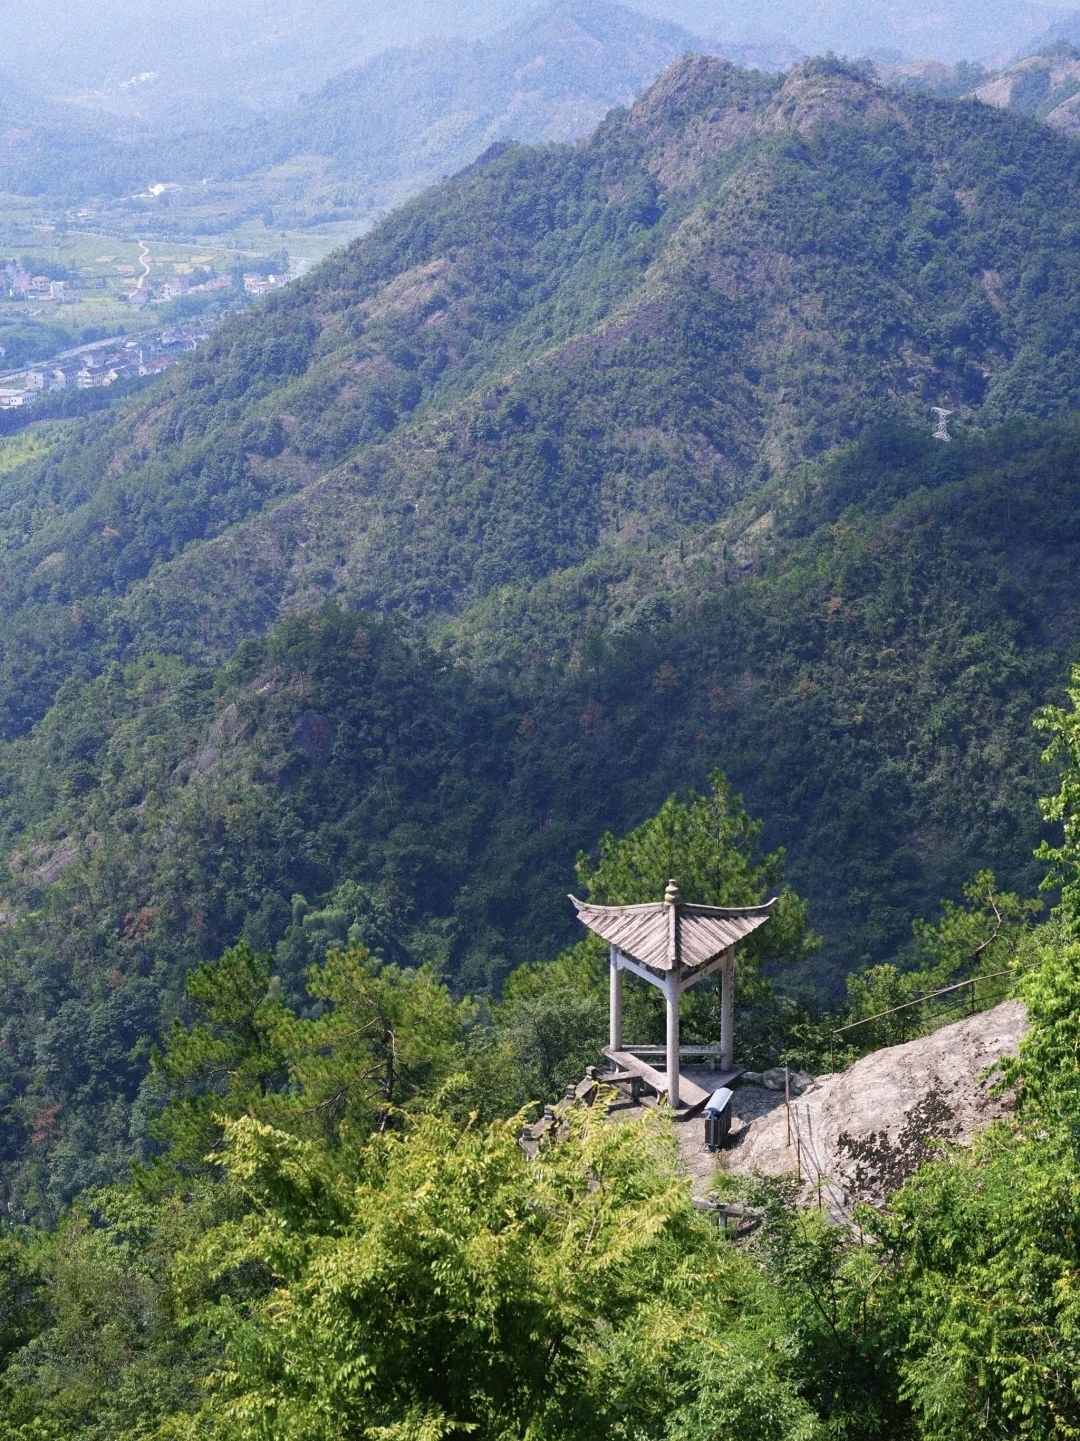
x,y
687,907
671,935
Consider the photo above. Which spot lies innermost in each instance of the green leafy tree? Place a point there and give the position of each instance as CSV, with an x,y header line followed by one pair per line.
x,y
100,1357
388,1040
543,1037
222,1064
984,940
981,938
982,1248
1063,727
709,844
451,1287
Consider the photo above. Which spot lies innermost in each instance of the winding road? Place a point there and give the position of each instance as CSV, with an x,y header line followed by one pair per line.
x,y
144,261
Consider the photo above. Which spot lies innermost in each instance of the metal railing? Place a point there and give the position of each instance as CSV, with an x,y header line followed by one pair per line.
x,y
969,985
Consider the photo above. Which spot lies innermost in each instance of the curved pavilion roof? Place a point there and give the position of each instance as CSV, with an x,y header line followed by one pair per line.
x,y
663,934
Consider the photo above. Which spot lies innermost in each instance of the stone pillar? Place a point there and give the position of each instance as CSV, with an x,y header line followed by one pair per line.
x,y
727,1012
671,995
615,1007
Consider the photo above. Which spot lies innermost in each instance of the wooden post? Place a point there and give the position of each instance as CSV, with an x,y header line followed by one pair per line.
x,y
787,1104
615,1009
671,994
798,1146
727,1011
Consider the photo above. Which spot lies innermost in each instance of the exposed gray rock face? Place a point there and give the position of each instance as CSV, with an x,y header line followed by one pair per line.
x,y
775,1079
859,1134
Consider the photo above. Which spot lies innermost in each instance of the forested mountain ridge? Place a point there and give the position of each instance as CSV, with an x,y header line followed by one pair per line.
x,y
595,474
863,654
562,349
556,443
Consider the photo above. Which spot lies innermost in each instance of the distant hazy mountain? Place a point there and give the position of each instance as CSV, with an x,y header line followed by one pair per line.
x,y
949,30
143,59
1046,86
56,149
136,58
380,131
1065,30
405,119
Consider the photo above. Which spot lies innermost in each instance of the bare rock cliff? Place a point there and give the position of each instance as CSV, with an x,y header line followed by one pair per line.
x,y
859,1134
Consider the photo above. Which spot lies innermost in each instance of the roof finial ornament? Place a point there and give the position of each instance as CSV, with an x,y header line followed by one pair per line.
x,y
671,895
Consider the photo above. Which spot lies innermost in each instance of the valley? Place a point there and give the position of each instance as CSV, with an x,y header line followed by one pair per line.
x,y
442,481
589,471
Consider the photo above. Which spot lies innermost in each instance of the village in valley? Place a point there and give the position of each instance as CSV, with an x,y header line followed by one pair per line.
x,y
97,365
101,362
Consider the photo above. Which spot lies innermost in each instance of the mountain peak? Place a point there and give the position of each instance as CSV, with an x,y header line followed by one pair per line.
x,y
692,81
605,22
819,92
702,95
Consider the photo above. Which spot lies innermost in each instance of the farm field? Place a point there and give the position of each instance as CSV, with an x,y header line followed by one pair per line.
x,y
101,264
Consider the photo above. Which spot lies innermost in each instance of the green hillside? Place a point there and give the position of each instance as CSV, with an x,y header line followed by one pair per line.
x,y
861,651
560,351
589,471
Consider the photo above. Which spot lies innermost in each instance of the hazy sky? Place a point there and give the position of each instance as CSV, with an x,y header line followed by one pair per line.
x,y
265,51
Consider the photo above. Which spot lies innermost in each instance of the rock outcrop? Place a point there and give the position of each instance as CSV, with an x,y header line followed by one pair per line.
x,y
859,1134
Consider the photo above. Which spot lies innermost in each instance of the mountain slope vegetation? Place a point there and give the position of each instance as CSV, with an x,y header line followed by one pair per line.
x,y
564,349
863,661
50,148
592,469
337,1239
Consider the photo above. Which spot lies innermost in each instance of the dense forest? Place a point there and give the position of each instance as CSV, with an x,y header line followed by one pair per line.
x,y
867,677
581,526
339,1234
592,470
